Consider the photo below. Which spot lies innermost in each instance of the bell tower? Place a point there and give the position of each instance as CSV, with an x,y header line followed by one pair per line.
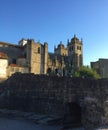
x,y
75,52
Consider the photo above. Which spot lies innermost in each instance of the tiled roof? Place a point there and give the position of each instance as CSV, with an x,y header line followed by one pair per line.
x,y
14,65
3,55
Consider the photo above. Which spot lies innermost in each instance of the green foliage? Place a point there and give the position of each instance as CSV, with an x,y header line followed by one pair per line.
x,y
85,71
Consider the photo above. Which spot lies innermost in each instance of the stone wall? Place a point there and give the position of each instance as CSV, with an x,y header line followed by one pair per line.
x,y
13,51
3,68
57,96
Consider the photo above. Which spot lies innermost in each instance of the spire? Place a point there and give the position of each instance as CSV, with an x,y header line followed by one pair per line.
x,y
74,35
67,41
54,48
81,40
60,42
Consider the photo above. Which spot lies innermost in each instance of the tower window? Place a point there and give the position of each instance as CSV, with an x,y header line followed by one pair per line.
x,y
14,61
78,47
72,47
38,49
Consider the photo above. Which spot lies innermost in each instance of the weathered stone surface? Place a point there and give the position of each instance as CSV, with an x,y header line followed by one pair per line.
x,y
60,96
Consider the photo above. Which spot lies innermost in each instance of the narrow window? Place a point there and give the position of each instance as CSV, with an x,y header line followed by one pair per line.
x,y
72,48
77,47
80,47
38,49
14,61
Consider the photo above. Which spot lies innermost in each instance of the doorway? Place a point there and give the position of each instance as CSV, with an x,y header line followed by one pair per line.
x,y
72,114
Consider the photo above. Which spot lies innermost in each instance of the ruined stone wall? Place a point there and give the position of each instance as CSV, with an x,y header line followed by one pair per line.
x,y
46,91
50,95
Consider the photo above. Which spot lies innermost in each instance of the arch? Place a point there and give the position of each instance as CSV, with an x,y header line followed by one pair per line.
x,y
72,115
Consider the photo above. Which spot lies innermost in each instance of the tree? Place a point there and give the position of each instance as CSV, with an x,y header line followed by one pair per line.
x,y
85,71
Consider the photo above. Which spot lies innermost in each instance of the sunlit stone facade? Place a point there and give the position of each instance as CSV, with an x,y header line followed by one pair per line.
x,y
33,57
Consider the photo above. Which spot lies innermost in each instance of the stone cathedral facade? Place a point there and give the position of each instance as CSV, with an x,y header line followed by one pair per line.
x,y
33,57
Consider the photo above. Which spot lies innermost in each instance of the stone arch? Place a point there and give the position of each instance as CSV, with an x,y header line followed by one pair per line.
x,y
73,114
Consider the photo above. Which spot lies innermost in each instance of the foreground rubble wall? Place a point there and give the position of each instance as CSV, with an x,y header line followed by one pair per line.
x,y
57,96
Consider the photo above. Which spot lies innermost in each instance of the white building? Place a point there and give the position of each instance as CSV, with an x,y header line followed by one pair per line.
x,y
3,65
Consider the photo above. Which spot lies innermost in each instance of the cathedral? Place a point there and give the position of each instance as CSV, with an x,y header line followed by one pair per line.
x,y
33,57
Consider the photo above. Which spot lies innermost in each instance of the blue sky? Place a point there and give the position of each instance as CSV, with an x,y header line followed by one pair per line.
x,y
53,21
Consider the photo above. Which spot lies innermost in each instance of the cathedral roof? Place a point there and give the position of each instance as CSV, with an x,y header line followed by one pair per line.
x,y
75,38
3,55
61,45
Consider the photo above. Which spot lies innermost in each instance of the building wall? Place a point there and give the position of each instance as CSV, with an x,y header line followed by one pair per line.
x,y
45,50
13,51
22,62
101,66
16,69
36,58
3,68
104,68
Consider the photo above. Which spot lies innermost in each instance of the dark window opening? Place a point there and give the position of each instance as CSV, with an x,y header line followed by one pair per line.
x,y
25,55
78,47
49,71
56,71
38,49
72,47
14,61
